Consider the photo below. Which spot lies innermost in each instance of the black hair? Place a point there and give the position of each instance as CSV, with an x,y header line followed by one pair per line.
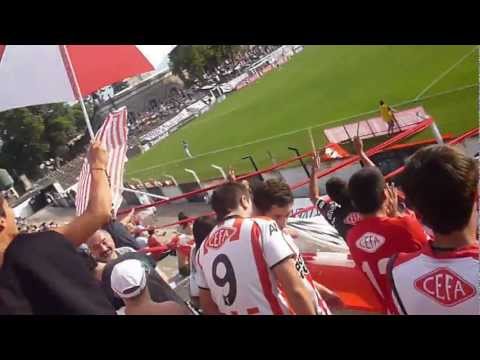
x,y
181,216
366,188
381,102
202,228
337,190
441,184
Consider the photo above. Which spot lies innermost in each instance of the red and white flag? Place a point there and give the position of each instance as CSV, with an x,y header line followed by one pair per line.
x,y
43,74
113,134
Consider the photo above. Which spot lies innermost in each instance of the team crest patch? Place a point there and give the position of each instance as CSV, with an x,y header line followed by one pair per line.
x,y
370,242
219,237
352,218
445,287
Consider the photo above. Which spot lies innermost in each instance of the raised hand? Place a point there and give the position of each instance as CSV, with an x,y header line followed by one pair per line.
x,y
358,144
97,156
391,203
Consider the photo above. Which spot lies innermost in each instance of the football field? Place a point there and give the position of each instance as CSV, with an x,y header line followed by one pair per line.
x,y
321,87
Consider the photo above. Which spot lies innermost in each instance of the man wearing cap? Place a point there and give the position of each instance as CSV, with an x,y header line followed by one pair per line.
x,y
129,282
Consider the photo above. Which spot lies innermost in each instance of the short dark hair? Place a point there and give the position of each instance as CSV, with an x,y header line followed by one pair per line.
x,y
271,192
381,102
366,188
337,190
151,231
202,228
441,184
227,198
181,216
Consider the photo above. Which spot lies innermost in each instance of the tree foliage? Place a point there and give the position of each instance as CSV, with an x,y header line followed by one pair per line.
x,y
191,62
34,134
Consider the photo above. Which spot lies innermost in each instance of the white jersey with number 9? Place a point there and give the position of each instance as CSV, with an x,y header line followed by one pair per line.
x,y
235,264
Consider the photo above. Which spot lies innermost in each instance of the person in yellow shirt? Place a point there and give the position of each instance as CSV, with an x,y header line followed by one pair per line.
x,y
388,115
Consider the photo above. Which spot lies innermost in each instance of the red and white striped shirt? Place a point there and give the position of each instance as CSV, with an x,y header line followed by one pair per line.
x,y
235,263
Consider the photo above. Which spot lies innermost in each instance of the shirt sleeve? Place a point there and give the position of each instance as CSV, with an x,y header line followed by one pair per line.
x,y
275,246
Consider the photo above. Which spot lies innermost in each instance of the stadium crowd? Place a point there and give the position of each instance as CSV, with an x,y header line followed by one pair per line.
x,y
416,245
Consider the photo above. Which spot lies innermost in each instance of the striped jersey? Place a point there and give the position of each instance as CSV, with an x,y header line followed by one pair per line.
x,y
235,264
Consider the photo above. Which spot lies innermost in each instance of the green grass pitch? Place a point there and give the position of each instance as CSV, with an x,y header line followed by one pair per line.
x,y
323,86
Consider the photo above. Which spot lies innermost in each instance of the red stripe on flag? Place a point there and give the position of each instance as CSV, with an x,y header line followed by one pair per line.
x,y
262,270
113,135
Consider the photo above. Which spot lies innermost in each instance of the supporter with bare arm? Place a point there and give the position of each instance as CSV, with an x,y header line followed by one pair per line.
x,y
42,272
99,207
127,219
358,144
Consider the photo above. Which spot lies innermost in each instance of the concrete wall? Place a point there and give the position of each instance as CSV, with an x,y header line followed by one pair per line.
x,y
138,98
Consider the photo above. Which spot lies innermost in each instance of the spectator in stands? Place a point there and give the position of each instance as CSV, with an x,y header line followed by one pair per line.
x,y
161,250
364,159
274,199
259,242
181,243
388,115
103,250
129,282
120,233
142,239
201,229
42,273
441,184
383,231
102,247
186,226
339,211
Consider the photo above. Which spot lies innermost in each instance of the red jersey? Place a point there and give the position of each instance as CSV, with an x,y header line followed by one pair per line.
x,y
372,241
434,282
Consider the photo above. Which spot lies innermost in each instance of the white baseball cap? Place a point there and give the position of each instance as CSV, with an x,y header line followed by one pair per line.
x,y
128,278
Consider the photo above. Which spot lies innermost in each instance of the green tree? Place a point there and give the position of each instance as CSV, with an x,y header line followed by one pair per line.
x,y
58,132
24,147
190,62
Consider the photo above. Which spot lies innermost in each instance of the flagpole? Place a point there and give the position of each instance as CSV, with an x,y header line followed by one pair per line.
x,y
77,88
